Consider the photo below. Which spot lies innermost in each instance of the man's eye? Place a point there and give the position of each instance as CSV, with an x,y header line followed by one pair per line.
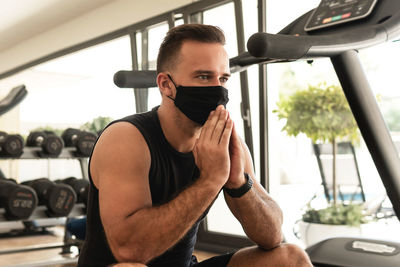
x,y
203,77
223,79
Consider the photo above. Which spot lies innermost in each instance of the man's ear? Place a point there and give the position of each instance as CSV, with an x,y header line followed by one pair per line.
x,y
165,84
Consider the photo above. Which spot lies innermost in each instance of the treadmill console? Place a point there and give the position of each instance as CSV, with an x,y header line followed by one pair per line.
x,y
333,12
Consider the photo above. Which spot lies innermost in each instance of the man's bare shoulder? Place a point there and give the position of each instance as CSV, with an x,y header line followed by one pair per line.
x,y
120,148
121,136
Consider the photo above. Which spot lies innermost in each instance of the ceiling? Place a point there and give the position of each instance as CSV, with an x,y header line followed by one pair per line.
x,y
20,20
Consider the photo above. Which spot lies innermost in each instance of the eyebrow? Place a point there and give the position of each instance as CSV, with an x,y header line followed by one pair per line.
x,y
198,72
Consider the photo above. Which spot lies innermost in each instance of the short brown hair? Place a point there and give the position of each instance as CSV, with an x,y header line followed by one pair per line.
x,y
172,43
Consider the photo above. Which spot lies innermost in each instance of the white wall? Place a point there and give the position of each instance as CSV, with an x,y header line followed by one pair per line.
x,y
100,21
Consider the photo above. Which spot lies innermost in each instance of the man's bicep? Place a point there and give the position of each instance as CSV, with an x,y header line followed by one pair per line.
x,y
120,166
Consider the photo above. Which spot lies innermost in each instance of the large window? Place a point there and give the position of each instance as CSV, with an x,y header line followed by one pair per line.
x,y
294,173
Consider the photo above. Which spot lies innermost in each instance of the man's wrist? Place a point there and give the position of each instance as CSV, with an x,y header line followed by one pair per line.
x,y
210,183
238,183
241,190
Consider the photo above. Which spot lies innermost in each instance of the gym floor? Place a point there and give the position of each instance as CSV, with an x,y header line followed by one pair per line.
x,y
48,257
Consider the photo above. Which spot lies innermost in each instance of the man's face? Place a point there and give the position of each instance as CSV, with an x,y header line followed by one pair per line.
x,y
202,64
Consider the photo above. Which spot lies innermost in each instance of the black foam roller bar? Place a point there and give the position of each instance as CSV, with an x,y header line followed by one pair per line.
x,y
135,79
277,46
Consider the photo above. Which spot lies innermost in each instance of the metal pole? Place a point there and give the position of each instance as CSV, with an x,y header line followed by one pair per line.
x,y
244,84
141,94
370,121
263,103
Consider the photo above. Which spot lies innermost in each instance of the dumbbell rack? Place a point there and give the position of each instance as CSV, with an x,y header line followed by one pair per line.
x,y
39,214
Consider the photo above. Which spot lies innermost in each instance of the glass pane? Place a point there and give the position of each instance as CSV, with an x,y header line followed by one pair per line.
x,y
156,35
380,64
293,169
224,17
68,92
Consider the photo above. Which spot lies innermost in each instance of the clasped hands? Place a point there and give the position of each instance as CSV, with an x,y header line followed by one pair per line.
x,y
218,152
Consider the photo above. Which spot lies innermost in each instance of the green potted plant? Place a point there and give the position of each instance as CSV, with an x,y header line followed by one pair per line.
x,y
322,113
96,125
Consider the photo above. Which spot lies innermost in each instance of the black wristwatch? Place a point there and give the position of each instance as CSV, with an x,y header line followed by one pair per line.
x,y
238,192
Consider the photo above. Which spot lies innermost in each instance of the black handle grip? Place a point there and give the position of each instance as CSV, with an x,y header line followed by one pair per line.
x,y
290,47
135,79
277,46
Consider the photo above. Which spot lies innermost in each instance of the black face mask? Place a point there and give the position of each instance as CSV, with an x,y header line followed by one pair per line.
x,y
196,102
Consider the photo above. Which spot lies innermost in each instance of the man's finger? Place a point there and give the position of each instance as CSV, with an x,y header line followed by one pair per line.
x,y
226,134
219,127
208,128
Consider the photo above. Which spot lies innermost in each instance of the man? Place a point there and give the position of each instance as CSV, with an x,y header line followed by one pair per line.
x,y
154,175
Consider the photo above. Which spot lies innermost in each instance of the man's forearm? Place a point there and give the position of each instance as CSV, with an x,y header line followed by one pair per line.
x,y
260,217
152,230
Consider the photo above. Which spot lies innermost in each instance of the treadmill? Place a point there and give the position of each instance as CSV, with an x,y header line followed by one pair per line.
x,y
336,29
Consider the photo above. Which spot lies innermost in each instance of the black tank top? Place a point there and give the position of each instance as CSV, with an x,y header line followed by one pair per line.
x,y
170,173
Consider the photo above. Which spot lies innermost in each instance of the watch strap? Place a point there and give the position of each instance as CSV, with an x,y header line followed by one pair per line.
x,y
239,192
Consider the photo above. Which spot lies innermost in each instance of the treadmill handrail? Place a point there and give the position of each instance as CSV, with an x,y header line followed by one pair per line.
x,y
291,47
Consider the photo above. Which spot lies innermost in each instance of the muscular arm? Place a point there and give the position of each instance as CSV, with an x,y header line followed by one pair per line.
x,y
137,231
259,215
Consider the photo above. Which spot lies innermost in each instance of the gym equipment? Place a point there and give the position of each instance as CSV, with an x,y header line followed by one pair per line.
x,y
355,252
83,141
77,227
14,97
140,79
19,201
58,198
11,145
2,176
344,12
347,171
50,143
80,186
312,36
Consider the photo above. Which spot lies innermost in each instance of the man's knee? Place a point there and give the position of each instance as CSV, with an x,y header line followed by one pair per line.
x,y
284,255
294,255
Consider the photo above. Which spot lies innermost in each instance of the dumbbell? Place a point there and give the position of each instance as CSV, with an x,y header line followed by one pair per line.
x,y
50,143
11,145
19,201
83,141
80,186
58,198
